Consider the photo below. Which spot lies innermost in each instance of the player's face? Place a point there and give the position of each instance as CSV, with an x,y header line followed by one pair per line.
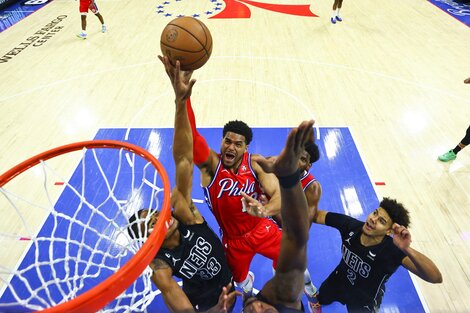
x,y
232,149
378,223
304,161
254,305
148,224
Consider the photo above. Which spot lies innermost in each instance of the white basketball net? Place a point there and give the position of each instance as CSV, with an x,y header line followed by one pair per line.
x,y
84,236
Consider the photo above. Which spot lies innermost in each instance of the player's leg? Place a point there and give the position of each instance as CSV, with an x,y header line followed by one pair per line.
x,y
340,4
333,15
239,256
83,33
452,154
266,237
312,294
84,5
95,10
331,290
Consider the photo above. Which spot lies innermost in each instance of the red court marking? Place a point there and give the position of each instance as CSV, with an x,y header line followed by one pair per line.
x,y
59,183
379,183
24,238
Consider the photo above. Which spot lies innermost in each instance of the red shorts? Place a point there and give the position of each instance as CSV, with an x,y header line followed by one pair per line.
x,y
88,5
264,239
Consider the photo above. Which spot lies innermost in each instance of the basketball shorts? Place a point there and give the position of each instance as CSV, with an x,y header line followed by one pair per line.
x,y
264,239
334,289
88,5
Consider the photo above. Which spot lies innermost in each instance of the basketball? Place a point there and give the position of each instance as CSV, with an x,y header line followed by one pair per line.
x,y
187,40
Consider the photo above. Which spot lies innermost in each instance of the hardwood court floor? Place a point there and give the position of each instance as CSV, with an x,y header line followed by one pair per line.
x,y
391,71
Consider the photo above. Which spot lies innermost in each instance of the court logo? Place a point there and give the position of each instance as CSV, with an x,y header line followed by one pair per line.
x,y
39,38
230,9
458,10
34,2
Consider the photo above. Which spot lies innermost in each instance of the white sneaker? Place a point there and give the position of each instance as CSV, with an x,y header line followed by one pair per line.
x,y
248,292
103,28
82,35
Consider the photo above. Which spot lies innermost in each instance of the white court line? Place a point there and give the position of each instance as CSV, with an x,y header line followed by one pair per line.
x,y
413,280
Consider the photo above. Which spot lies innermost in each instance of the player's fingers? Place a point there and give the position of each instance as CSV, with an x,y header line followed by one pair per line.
x,y
306,132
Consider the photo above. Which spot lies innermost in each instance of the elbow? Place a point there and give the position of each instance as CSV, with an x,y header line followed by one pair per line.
x,y
437,279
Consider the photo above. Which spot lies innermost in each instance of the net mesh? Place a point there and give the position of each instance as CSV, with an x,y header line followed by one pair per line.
x,y
70,233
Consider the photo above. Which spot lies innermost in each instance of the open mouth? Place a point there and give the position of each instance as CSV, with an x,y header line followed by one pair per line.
x,y
229,156
369,226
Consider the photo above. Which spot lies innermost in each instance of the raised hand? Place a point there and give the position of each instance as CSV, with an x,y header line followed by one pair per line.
x,y
180,80
287,161
226,300
401,236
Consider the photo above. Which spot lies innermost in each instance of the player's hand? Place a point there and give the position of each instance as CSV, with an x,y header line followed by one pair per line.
x,y
467,81
180,80
287,161
226,300
401,236
253,206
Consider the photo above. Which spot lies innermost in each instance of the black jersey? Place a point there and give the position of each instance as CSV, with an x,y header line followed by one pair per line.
x,y
359,279
200,262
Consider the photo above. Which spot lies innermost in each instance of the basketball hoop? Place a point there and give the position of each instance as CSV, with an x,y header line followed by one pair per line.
x,y
95,298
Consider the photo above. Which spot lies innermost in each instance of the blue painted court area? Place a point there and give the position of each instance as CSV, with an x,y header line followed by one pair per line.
x,y
458,9
18,11
347,188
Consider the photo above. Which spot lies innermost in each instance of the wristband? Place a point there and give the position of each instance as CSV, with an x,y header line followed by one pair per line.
x,y
290,180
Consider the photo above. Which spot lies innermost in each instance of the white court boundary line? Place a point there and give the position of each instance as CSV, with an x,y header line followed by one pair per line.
x,y
413,279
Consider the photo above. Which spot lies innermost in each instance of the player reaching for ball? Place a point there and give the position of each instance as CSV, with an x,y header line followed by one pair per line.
x,y
191,250
225,176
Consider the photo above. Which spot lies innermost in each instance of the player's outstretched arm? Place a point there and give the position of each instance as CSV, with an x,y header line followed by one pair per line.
x,y
205,158
288,282
184,209
415,261
174,297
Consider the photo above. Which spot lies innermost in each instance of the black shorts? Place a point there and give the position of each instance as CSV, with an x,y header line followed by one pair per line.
x,y
333,289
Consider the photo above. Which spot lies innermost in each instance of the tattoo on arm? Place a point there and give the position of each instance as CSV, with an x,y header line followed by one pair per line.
x,y
157,264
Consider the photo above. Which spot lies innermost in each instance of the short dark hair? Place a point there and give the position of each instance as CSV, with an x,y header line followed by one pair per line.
x,y
396,211
240,128
133,226
313,151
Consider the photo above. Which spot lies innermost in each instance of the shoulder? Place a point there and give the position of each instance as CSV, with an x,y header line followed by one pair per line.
x,y
158,264
342,221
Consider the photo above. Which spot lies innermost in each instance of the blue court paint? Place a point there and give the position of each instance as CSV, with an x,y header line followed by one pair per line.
x,y
458,9
346,188
18,11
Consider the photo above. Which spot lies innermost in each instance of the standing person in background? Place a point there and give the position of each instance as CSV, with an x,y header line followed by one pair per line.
x,y
336,8
85,6
452,154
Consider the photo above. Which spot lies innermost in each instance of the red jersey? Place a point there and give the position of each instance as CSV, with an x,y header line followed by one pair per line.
x,y
224,199
306,179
